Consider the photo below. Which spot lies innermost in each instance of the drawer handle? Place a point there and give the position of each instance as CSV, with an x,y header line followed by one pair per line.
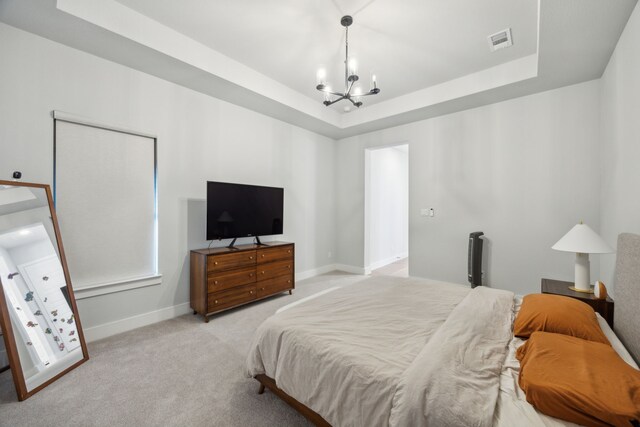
x,y
262,272
288,281
289,267
262,255
215,302
250,274
251,257
262,289
251,292
289,251
215,263
215,282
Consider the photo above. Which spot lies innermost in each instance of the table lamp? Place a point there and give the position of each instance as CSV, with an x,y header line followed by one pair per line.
x,y
582,240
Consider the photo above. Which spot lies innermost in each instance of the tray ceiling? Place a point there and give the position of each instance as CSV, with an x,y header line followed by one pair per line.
x,y
431,56
409,44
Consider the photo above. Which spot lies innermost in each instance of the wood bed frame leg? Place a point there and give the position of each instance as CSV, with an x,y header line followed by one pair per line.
x,y
314,417
290,292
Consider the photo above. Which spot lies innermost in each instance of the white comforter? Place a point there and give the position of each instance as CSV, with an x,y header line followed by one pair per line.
x,y
356,359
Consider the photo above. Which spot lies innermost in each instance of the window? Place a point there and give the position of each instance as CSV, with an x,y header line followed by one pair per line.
x,y
105,198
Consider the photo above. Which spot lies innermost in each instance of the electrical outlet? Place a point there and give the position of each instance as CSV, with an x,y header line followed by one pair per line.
x,y
430,212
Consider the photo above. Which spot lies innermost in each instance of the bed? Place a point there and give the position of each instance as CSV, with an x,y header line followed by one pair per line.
x,y
405,352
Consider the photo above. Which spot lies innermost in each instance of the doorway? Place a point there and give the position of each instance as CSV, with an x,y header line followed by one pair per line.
x,y
387,210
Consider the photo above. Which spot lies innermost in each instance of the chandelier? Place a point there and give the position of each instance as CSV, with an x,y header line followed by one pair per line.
x,y
350,76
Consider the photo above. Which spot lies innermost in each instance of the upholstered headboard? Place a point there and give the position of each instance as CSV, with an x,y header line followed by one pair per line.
x,y
627,293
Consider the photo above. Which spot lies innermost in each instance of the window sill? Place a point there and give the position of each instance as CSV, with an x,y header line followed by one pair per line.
x,y
91,291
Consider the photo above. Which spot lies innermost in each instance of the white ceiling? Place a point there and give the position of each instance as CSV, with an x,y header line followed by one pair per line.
x,y
24,236
409,44
17,199
431,56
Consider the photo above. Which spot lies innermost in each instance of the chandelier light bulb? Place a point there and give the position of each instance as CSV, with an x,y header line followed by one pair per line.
x,y
353,67
374,82
327,95
321,76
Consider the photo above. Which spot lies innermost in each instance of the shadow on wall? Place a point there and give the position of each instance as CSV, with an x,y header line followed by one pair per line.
x,y
196,234
196,224
487,245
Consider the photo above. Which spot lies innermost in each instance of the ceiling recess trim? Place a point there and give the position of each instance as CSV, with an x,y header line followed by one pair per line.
x,y
112,31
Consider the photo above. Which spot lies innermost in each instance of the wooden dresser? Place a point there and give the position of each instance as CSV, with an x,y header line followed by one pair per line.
x,y
223,278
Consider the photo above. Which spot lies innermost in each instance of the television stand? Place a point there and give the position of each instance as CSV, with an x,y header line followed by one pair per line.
x,y
223,278
230,245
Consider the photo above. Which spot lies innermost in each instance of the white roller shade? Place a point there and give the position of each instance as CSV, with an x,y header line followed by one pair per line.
x,y
105,194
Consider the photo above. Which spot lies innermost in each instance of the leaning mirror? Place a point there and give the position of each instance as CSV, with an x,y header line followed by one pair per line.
x,y
38,313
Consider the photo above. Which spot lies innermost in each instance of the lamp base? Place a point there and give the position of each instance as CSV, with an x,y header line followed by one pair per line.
x,y
587,291
582,270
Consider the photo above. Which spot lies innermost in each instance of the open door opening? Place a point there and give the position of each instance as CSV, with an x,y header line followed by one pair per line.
x,y
387,210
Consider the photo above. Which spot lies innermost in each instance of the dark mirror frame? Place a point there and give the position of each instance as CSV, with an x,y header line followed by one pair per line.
x,y
5,321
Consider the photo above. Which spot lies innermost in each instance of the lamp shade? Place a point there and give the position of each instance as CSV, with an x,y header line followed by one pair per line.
x,y
582,239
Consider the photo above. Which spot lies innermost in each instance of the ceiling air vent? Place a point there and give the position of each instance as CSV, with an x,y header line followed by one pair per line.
x,y
500,40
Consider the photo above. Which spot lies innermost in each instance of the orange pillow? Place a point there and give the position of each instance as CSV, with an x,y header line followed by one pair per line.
x,y
555,313
581,381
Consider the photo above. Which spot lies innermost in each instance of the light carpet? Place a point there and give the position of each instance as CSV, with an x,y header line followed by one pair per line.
x,y
179,372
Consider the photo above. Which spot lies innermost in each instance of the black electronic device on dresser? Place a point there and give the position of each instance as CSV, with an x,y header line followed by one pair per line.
x,y
240,210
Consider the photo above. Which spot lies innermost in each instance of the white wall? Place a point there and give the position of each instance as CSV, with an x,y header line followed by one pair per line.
x,y
523,171
387,203
199,138
620,142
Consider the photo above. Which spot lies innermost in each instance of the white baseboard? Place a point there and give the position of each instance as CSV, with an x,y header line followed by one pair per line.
x,y
349,269
105,330
315,272
382,263
328,269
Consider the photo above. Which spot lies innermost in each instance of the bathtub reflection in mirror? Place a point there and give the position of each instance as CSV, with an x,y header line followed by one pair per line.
x,y
42,332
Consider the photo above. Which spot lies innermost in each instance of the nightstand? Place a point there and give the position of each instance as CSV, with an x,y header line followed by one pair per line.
x,y
559,287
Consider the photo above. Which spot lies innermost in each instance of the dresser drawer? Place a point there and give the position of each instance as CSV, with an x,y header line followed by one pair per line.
x,y
275,285
228,261
230,279
231,297
275,254
275,269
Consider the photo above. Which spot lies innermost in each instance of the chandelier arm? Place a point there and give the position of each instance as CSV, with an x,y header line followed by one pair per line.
x,y
348,92
327,103
332,93
370,93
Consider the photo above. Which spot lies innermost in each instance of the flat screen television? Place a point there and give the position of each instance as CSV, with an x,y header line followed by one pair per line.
x,y
238,210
